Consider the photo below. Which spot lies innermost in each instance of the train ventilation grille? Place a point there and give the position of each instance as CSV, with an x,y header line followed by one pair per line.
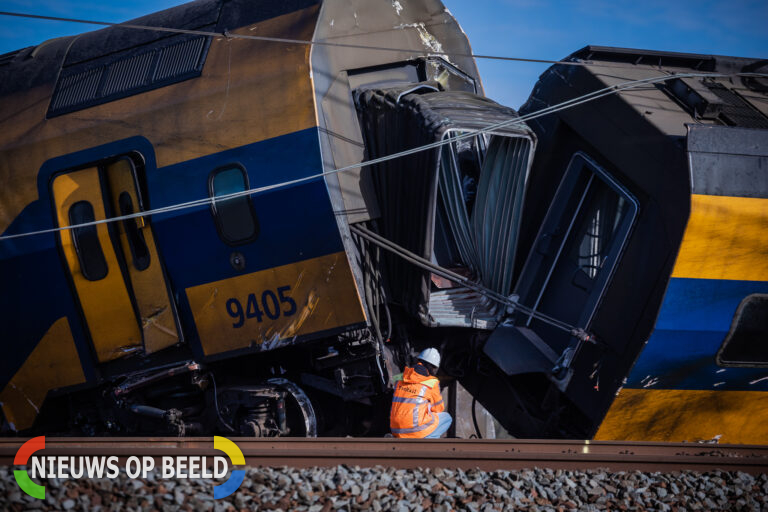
x,y
704,99
735,110
138,70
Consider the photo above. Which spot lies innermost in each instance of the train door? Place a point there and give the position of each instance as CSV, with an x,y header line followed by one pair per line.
x,y
576,250
115,267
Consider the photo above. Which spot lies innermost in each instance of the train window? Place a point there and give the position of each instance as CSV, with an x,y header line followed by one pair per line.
x,y
235,219
597,229
136,242
93,265
747,342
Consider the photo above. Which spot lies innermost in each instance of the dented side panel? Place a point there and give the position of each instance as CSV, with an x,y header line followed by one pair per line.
x,y
156,311
251,107
271,308
105,299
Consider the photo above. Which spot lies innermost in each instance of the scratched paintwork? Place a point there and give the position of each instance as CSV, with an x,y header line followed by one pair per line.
x,y
322,288
687,415
676,390
106,302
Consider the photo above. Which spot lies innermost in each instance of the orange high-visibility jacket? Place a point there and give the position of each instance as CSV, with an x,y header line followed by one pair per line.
x,y
415,405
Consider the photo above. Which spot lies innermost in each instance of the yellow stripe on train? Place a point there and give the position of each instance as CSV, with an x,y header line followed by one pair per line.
x,y
726,238
677,415
54,363
274,305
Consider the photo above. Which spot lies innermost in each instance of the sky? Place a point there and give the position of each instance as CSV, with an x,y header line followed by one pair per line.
x,y
545,29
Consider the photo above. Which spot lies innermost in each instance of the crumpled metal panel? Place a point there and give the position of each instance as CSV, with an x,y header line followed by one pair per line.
x,y
497,214
424,27
460,307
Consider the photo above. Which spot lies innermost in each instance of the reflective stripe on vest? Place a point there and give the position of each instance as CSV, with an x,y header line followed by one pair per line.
x,y
416,409
420,401
409,400
414,429
430,382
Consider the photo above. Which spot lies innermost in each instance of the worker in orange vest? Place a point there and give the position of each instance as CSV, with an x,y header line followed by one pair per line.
x,y
417,407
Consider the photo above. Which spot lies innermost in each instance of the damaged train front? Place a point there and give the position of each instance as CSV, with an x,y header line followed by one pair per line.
x,y
430,201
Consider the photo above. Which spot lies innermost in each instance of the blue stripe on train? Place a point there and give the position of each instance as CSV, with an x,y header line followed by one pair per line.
x,y
296,222
295,225
704,304
283,158
35,293
694,320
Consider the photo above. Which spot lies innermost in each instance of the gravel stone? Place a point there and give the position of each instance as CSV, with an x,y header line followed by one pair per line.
x,y
421,490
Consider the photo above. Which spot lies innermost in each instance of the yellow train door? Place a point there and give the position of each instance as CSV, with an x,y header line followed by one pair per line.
x,y
115,267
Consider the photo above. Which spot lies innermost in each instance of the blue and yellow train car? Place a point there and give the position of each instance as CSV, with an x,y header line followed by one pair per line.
x,y
138,318
684,318
703,371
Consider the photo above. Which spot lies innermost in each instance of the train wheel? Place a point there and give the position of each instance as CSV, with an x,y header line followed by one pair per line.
x,y
299,414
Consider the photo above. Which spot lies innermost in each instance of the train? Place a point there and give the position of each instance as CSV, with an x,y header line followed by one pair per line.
x,y
246,217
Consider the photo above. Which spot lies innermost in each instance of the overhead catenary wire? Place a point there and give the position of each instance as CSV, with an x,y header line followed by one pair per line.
x,y
370,236
322,42
592,96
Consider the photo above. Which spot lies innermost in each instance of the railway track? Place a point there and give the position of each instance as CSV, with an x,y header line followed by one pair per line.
x,y
413,453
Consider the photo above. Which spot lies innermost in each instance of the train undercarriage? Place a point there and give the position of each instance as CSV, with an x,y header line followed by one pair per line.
x,y
329,387
338,386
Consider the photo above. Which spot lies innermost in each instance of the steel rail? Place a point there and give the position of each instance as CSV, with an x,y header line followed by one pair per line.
x,y
413,453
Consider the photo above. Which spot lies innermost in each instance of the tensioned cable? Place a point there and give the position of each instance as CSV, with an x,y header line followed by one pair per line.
x,y
425,264
230,35
613,89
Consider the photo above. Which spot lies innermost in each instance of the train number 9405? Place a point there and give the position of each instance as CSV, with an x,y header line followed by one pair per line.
x,y
272,304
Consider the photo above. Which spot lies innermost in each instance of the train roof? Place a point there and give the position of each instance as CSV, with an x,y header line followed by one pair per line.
x,y
657,125
130,48
672,104
694,61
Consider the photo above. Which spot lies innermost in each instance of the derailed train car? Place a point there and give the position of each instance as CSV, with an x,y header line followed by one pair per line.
x,y
288,310
244,315
684,319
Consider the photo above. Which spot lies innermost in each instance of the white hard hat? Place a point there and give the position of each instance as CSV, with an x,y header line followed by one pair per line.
x,y
431,356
